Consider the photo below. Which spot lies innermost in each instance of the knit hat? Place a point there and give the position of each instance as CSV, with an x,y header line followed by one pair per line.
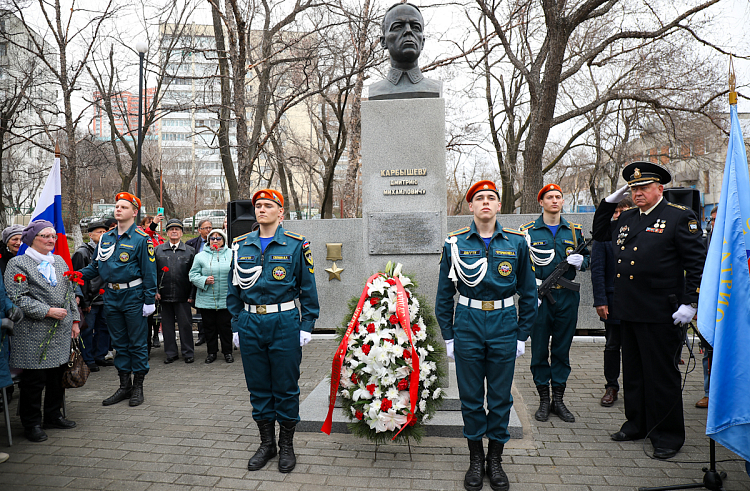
x,y
220,232
11,231
33,229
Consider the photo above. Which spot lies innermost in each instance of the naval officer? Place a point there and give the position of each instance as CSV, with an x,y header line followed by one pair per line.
x,y
487,264
659,255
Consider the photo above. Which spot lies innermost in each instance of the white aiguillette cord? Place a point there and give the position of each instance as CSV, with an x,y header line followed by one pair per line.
x,y
104,254
254,272
534,252
457,264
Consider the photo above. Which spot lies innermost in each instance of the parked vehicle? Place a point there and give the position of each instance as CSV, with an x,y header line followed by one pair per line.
x,y
216,217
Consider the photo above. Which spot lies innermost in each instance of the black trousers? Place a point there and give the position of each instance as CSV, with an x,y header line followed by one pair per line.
x,y
179,311
652,383
217,325
612,355
30,401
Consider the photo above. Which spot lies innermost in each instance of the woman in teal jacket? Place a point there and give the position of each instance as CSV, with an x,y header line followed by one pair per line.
x,y
210,275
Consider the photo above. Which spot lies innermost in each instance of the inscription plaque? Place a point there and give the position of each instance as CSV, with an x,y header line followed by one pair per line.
x,y
404,233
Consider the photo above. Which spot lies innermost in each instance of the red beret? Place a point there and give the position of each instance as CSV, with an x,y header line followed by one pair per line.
x,y
269,194
481,186
130,198
548,187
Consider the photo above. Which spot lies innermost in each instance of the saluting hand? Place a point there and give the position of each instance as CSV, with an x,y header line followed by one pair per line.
x,y
618,195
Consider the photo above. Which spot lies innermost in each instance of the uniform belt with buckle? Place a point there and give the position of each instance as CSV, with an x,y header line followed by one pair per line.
x,y
270,309
122,286
486,304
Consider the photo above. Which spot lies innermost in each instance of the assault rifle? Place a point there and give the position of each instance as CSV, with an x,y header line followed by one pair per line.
x,y
556,278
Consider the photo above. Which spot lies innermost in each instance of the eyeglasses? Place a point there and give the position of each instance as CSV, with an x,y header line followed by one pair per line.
x,y
205,228
47,236
216,238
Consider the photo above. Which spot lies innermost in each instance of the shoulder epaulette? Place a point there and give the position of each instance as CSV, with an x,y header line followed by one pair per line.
x,y
576,226
681,207
241,237
459,231
513,231
142,233
630,208
293,235
527,226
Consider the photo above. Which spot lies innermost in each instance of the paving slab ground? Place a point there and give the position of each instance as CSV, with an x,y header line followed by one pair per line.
x,y
195,432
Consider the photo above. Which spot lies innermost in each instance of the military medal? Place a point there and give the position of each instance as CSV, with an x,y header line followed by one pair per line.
x,y
623,234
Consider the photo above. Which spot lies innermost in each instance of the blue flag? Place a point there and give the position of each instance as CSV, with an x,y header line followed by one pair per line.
x,y
724,303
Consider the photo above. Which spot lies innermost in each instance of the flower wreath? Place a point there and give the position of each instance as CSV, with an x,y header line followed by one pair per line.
x,y
375,371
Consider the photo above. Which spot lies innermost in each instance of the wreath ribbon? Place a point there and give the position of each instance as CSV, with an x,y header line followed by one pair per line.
x,y
402,312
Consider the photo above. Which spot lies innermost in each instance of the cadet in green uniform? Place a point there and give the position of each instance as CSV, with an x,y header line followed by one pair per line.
x,y
487,264
551,240
270,268
124,259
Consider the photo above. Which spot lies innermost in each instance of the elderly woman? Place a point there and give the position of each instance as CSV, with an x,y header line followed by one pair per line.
x,y
210,275
36,283
10,244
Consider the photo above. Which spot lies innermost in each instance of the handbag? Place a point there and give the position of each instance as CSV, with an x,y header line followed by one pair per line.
x,y
76,372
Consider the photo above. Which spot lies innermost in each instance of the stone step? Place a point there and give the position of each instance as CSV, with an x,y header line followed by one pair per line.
x,y
447,421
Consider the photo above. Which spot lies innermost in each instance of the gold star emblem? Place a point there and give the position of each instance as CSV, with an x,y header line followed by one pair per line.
x,y
334,272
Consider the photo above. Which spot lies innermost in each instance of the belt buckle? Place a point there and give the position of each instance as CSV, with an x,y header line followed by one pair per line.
x,y
488,305
260,309
115,286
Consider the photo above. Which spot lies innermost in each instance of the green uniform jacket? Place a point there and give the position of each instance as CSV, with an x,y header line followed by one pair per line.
x,y
509,271
563,242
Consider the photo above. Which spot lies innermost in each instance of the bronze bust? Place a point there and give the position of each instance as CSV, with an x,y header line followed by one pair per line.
x,y
404,39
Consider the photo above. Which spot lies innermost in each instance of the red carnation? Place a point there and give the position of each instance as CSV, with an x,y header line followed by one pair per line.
x,y
370,327
359,415
79,281
393,319
18,278
407,354
413,421
366,349
389,340
386,404
403,384
415,328
354,378
68,274
374,301
101,291
371,388
165,269
215,246
390,281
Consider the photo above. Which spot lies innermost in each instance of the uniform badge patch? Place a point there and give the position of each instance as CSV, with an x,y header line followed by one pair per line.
x,y
693,226
568,250
124,256
150,249
279,273
504,268
308,255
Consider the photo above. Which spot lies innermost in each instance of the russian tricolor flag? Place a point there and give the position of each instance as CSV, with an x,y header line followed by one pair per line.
x,y
49,207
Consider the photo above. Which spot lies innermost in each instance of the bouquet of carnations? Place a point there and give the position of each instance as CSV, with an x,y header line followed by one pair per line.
x,y
387,366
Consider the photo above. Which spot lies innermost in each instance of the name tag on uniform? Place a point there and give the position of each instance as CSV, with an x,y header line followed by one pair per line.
x,y
127,246
246,258
469,253
105,244
539,243
568,242
281,258
499,253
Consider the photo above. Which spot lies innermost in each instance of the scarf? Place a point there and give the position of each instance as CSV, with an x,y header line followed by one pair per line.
x,y
44,265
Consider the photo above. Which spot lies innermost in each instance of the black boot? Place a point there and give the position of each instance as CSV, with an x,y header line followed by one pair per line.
x,y
267,449
558,406
287,460
498,478
474,479
542,414
136,399
124,392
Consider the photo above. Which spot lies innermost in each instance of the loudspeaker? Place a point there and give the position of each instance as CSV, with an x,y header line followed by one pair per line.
x,y
685,196
240,218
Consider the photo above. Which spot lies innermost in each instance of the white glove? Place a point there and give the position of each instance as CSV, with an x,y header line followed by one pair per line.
x,y
538,302
236,339
575,260
304,338
148,309
449,349
684,314
520,348
618,195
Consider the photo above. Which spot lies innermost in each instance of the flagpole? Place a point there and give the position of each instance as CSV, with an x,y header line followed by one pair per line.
x,y
142,47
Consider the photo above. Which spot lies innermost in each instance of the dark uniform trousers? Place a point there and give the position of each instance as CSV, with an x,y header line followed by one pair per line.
x,y
128,329
612,346
653,402
179,311
556,323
